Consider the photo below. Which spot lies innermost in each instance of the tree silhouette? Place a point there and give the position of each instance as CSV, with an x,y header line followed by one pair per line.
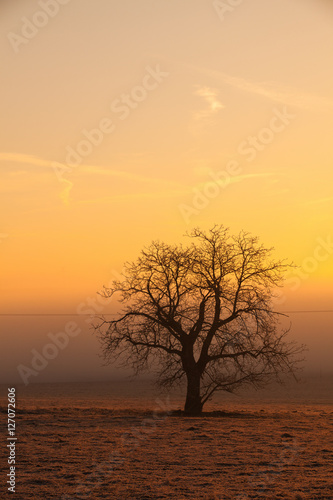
x,y
204,313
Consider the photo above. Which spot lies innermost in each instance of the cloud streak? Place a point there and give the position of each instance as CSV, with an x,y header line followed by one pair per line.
x,y
173,193
163,189
319,201
210,95
273,91
67,185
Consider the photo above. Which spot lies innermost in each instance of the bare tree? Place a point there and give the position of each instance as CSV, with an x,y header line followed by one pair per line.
x,y
203,312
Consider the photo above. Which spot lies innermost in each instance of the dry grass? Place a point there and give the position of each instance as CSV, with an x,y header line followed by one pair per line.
x,y
112,455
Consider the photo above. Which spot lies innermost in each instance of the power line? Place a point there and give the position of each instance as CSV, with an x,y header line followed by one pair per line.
x,y
115,314
315,311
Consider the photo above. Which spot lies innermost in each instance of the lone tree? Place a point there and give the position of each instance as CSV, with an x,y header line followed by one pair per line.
x,y
201,312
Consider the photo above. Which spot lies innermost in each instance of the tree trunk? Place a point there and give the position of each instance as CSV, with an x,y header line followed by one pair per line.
x,y
193,404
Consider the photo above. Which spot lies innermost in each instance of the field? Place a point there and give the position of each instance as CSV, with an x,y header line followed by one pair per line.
x,y
257,447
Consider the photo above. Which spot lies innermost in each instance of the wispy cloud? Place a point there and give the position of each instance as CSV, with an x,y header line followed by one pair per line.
x,y
139,196
274,91
30,161
237,178
65,192
162,188
24,159
183,192
319,201
3,236
213,104
121,174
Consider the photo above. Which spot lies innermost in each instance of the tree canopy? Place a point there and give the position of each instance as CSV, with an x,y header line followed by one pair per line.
x,y
201,312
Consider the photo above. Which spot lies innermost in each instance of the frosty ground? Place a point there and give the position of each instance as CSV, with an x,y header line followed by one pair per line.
x,y
249,450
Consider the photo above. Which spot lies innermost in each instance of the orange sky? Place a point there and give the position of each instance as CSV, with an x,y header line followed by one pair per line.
x,y
202,118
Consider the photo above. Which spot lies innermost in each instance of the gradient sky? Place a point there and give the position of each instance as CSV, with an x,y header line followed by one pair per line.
x,y
65,231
